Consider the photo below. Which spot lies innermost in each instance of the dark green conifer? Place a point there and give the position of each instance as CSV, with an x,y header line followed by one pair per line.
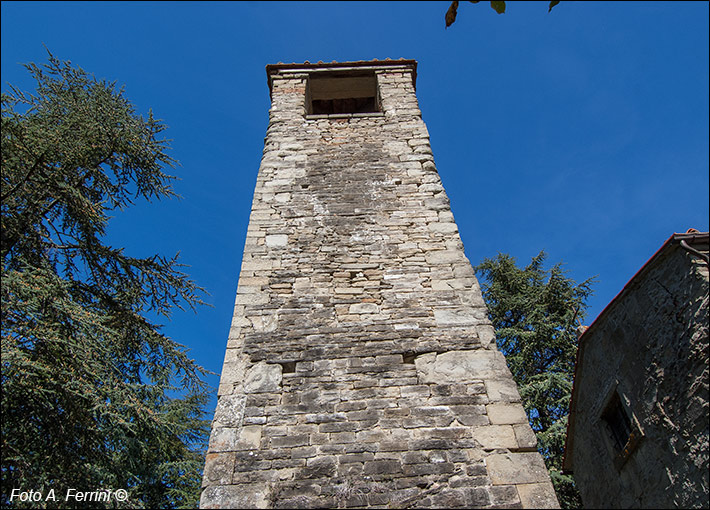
x,y
535,313
94,395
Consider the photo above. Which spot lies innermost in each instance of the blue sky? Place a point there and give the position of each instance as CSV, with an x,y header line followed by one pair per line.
x,y
583,132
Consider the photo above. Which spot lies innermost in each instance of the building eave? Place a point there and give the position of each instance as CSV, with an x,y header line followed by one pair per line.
x,y
691,238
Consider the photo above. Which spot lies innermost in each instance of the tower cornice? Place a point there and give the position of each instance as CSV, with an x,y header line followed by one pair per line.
x,y
359,65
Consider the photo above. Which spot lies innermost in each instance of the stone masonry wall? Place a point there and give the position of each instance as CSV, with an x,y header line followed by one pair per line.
x,y
361,369
654,342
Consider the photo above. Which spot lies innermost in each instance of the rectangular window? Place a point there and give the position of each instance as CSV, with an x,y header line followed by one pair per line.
x,y
621,428
342,92
618,423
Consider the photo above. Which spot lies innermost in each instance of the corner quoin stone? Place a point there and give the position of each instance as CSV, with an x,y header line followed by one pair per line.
x,y
517,468
361,368
463,366
263,377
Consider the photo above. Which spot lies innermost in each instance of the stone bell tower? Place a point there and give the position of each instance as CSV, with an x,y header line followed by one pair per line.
x,y
361,369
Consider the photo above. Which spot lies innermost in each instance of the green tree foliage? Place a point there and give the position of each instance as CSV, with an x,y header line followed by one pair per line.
x,y
535,313
498,6
94,396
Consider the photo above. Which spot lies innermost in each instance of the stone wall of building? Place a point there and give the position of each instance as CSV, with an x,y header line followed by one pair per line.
x,y
651,344
361,369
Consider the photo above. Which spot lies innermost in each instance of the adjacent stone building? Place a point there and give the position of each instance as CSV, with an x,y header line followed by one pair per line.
x,y
361,369
638,425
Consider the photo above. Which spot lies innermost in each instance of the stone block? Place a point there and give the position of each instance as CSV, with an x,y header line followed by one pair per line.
x,y
342,437
414,458
432,444
516,468
252,299
229,411
339,426
281,198
420,391
467,316
357,405
502,390
320,467
443,284
419,422
443,228
360,447
382,467
250,437
478,468
329,448
356,457
218,469
302,488
525,437
247,289
495,436
374,435
443,257
501,414
263,377
273,431
324,418
351,470
349,290
486,334
472,416
254,420
364,308
366,415
504,496
428,469
393,446
265,323
460,366
389,359
476,497
289,441
431,411
235,496
449,498
538,495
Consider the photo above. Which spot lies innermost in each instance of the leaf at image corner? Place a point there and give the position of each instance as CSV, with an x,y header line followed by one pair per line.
x,y
451,13
499,7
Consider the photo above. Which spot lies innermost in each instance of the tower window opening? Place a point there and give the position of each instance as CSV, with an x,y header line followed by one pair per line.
x,y
342,92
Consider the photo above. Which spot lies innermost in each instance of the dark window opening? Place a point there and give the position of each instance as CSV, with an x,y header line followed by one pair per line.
x,y
289,367
618,422
408,358
351,105
342,92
